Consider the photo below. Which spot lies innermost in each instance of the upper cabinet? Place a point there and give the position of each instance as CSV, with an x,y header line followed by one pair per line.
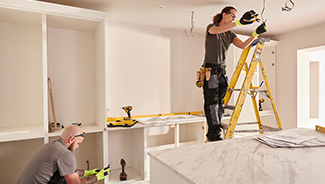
x,y
21,93
41,40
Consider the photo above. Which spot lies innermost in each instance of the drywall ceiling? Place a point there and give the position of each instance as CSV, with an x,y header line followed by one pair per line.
x,y
176,14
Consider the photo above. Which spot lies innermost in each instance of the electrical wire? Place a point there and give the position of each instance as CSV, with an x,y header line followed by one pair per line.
x,y
263,9
285,8
192,30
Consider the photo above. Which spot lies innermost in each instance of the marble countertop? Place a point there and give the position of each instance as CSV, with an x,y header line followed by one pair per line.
x,y
245,160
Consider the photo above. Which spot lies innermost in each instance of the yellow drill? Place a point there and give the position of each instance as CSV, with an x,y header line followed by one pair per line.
x,y
260,101
127,109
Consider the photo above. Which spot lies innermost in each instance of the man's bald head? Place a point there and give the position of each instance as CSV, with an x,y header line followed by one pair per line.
x,y
70,132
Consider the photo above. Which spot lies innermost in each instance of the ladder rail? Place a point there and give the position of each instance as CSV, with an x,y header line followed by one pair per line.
x,y
270,95
256,110
236,74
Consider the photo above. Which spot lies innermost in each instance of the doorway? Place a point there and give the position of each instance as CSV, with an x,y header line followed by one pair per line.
x,y
311,87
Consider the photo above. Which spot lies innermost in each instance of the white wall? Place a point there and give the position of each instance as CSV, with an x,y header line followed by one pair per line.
x,y
320,116
286,69
152,69
311,86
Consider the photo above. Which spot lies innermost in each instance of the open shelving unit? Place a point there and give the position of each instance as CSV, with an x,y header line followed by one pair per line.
x,y
133,144
41,40
127,144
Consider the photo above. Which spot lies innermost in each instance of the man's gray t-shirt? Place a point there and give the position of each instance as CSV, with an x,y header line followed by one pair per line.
x,y
217,45
50,158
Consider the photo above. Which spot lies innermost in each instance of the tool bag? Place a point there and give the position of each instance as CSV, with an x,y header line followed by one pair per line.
x,y
201,74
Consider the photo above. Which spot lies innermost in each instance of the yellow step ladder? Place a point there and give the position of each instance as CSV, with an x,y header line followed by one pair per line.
x,y
247,88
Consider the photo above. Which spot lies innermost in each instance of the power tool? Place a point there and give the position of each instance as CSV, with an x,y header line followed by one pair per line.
x,y
123,175
127,109
123,122
260,101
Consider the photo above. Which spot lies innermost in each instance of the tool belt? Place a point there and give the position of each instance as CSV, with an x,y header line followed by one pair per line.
x,y
201,74
210,71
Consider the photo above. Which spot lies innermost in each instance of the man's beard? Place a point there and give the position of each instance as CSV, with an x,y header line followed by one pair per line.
x,y
71,146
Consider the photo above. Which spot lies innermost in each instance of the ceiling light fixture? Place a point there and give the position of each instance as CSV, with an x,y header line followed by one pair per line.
x,y
160,7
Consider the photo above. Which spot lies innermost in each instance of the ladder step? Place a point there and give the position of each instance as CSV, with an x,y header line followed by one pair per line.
x,y
247,123
258,90
255,90
224,126
264,129
268,128
230,107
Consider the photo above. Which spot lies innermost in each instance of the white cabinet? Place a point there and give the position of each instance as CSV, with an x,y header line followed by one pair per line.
x,y
41,40
21,97
127,144
133,144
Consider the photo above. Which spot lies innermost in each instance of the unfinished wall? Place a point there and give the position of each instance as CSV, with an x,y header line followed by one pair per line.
x,y
152,69
286,69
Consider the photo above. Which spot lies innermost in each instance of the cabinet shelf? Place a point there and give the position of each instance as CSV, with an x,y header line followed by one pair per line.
x,y
24,132
85,128
132,176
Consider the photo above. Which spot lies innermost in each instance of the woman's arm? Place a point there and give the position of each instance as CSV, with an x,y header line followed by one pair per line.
x,y
222,28
240,44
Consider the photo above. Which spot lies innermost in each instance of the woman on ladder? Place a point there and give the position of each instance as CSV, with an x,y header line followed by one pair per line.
x,y
217,41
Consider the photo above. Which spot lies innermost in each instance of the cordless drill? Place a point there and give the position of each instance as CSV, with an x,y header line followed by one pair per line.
x,y
127,109
123,175
260,101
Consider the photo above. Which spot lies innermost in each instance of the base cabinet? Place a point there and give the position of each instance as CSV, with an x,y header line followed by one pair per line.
x,y
133,145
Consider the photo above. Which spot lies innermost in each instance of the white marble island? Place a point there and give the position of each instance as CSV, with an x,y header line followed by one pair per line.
x,y
243,160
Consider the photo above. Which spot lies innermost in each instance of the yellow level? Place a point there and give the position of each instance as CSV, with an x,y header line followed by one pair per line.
x,y
154,115
319,128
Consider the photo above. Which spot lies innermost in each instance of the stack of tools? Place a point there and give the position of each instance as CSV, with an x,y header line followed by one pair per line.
x,y
123,175
123,122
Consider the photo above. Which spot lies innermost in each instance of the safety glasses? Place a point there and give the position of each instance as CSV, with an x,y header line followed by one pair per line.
x,y
81,135
233,15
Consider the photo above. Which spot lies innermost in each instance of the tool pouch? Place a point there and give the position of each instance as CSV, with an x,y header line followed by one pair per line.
x,y
200,77
201,74
207,74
